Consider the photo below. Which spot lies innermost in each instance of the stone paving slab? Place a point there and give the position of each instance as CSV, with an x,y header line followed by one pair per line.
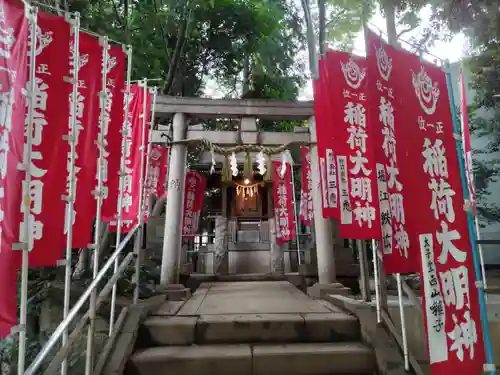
x,y
253,297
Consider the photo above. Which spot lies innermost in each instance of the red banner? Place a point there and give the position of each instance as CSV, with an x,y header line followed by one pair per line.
x,y
89,87
134,154
156,178
49,150
283,203
450,296
113,130
354,147
306,198
391,153
469,169
194,193
14,31
326,156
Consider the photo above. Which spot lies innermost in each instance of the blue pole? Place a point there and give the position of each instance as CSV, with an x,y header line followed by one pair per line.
x,y
471,225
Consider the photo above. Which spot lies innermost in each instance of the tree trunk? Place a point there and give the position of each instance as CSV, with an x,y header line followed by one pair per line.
x,y
246,76
179,47
390,18
322,26
311,40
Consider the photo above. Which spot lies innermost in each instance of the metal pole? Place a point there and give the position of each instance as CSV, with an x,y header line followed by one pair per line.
x,y
481,255
89,355
140,211
295,216
489,366
363,268
375,277
119,206
403,322
72,140
31,14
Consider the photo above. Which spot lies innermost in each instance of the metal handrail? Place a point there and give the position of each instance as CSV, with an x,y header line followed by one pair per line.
x,y
58,332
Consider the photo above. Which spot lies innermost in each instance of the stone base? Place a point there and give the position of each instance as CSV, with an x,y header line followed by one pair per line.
x,y
321,290
308,270
174,292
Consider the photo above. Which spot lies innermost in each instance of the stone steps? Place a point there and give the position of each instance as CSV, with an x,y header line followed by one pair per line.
x,y
255,359
251,328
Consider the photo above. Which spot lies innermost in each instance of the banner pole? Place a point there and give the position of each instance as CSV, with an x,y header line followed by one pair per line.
x,y
26,244
489,365
119,205
470,176
403,322
295,215
89,355
72,138
376,280
140,213
154,91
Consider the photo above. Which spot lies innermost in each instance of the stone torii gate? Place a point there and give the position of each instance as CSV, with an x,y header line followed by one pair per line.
x,y
180,111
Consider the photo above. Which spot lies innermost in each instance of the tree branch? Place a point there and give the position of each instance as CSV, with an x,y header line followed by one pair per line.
x,y
179,47
405,31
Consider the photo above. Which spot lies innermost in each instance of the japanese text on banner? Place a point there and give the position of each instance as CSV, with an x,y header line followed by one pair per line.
x,y
306,198
14,31
89,86
157,174
193,203
450,297
326,158
113,122
48,168
283,203
353,145
391,144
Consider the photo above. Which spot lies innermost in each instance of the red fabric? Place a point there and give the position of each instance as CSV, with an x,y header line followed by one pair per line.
x,y
137,136
467,141
49,151
157,174
194,192
324,135
392,143
13,78
306,198
353,146
283,203
89,87
114,123
450,297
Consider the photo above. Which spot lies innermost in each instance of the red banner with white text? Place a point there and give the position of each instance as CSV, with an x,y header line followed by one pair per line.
x,y
326,157
137,136
14,31
283,203
392,142
194,192
49,151
353,144
89,87
156,178
113,130
450,296
306,199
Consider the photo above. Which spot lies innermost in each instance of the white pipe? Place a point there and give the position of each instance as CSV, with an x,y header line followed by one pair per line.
x,y
403,322
51,342
31,13
89,355
72,140
375,276
119,205
481,255
140,211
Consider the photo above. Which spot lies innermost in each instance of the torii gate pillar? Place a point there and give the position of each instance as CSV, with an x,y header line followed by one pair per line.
x,y
173,213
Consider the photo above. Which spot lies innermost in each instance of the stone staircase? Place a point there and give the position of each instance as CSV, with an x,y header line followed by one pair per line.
x,y
196,339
